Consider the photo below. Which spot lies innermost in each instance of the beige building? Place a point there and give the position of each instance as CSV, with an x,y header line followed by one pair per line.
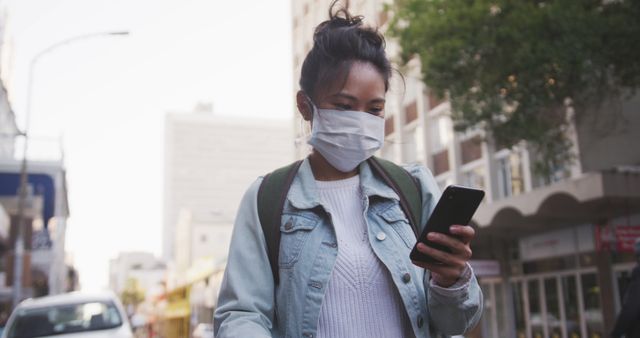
x,y
210,161
552,253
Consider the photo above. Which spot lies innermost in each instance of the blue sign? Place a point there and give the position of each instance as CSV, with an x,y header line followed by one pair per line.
x,y
42,184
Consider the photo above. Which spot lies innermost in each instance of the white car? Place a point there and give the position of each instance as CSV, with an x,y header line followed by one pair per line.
x,y
70,315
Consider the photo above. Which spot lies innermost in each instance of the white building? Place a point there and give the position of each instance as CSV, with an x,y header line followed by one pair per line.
x,y
541,252
144,267
210,161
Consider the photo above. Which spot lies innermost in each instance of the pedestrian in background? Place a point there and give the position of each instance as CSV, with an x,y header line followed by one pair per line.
x,y
628,322
343,267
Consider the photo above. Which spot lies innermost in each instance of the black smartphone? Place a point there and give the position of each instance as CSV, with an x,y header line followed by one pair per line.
x,y
456,206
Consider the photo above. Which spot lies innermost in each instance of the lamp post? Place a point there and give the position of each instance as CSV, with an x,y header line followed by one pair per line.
x,y
22,195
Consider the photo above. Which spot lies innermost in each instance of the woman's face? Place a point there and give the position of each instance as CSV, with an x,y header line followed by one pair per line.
x,y
363,90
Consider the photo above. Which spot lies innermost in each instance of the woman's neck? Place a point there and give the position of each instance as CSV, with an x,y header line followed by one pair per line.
x,y
324,171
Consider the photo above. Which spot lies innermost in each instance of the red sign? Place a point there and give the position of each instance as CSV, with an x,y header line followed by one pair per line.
x,y
619,238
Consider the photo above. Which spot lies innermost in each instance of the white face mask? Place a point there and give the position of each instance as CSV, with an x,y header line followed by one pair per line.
x,y
346,138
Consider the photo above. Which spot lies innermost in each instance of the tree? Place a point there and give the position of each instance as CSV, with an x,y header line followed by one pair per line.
x,y
132,294
518,69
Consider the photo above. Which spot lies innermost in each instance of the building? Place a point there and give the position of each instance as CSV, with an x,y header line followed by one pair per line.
x,y
210,161
47,213
148,271
45,270
551,253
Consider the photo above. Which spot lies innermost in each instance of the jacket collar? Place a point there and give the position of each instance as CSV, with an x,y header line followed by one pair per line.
x,y
303,193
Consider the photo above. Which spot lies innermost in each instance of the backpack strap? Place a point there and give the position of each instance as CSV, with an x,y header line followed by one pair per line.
x,y
271,197
405,186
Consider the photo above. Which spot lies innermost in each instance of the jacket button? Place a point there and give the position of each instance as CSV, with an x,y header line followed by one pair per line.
x,y
288,226
307,335
381,236
420,322
406,278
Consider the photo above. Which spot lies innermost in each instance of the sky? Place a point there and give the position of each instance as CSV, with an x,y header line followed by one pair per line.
x,y
105,99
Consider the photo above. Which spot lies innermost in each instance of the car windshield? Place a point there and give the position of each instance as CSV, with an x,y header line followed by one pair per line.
x,y
62,319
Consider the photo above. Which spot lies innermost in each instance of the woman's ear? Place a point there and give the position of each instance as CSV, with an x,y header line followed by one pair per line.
x,y
304,106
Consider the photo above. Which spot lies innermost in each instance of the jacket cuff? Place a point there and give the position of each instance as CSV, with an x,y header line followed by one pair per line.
x,y
458,289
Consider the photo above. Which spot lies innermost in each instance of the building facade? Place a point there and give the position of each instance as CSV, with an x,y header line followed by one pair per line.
x,y
210,161
552,253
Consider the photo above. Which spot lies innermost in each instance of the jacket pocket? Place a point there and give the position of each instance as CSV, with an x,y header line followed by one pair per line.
x,y
294,232
397,220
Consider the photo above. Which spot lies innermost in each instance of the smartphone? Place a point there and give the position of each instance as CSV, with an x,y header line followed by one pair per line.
x,y
456,206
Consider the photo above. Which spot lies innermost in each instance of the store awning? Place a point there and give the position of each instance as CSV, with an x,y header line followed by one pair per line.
x,y
590,198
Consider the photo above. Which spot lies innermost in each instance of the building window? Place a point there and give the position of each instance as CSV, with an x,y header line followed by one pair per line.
x,y
440,133
411,112
474,177
414,145
471,149
510,179
557,173
440,162
388,126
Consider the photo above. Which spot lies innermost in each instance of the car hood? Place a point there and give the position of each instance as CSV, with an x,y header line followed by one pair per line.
x,y
121,332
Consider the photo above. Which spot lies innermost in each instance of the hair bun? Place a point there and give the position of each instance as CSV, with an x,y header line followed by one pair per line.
x,y
337,43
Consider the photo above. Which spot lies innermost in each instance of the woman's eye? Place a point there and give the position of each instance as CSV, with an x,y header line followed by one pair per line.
x,y
376,111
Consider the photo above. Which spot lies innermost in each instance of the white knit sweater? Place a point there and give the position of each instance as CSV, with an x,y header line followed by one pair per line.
x,y
361,299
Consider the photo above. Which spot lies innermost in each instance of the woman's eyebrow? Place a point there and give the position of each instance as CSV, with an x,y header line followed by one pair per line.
x,y
353,98
345,96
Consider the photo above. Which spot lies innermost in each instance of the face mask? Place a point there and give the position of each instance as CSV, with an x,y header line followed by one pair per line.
x,y
346,138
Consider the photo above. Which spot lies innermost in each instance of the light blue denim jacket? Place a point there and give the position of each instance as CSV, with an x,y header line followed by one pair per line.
x,y
248,306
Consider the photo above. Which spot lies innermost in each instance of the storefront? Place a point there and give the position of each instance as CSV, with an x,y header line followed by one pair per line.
x,y
564,253
558,284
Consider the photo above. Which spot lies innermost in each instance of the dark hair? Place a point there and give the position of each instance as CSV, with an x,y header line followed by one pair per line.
x,y
337,43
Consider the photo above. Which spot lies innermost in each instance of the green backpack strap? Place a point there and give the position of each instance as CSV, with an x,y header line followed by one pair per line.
x,y
405,186
271,197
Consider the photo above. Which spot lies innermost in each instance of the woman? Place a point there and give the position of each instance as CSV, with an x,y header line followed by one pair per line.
x,y
343,264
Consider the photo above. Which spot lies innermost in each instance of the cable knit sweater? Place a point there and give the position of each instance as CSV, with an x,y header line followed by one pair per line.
x,y
361,299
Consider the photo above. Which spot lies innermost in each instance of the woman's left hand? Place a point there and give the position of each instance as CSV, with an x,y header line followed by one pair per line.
x,y
454,263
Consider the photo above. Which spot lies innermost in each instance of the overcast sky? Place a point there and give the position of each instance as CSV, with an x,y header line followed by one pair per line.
x,y
107,97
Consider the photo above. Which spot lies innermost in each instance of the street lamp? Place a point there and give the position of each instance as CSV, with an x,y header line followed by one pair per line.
x,y
19,244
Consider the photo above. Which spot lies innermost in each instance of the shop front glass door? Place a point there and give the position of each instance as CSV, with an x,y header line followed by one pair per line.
x,y
592,308
536,318
554,325
571,306
561,306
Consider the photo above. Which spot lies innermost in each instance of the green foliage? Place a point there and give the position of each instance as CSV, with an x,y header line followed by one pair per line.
x,y
515,67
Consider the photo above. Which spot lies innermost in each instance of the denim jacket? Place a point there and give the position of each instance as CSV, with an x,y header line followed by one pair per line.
x,y
250,305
